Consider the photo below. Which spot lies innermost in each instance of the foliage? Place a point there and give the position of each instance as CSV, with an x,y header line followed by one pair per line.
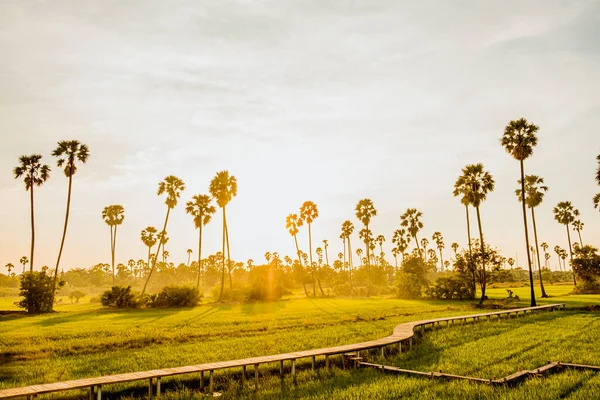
x,y
119,297
37,291
177,296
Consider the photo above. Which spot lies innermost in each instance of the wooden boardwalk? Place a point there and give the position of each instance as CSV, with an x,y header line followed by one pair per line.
x,y
402,333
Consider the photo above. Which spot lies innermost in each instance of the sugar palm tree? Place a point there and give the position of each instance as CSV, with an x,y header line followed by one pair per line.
x,y
475,184
202,210
172,186
34,173
365,211
534,195
565,213
292,222
113,215
411,220
518,140
308,213
578,227
68,152
223,188
439,243
454,247
24,260
149,238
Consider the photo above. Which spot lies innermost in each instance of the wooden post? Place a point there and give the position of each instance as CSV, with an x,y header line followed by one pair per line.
x,y
256,376
211,380
158,386
201,380
149,388
99,393
294,370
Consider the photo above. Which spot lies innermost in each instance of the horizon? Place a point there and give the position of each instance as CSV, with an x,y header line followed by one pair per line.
x,y
331,103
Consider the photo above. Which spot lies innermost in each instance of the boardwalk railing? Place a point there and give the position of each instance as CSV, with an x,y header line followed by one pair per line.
x,y
402,334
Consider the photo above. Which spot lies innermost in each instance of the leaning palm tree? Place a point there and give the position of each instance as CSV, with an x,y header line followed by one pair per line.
x,y
34,173
292,222
479,183
149,239
113,215
534,195
202,210
439,243
565,213
411,220
518,140
578,227
172,186
68,152
223,188
308,213
365,210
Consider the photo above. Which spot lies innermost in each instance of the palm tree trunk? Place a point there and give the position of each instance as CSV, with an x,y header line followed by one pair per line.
x,y
483,276
64,235
160,240
200,258
537,249
571,254
531,288
312,270
223,261
32,229
300,263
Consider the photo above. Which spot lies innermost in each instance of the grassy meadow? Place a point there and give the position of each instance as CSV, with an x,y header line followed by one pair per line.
x,y
85,340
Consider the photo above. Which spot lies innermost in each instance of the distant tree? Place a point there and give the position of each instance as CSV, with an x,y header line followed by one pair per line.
x,y
365,211
578,227
113,216
565,213
439,242
292,222
202,210
24,260
34,173
223,188
411,220
518,140
172,186
308,213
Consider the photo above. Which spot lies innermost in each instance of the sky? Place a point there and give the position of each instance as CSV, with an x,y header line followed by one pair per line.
x,y
329,101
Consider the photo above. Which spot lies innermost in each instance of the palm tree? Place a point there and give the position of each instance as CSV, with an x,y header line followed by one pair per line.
x,y
454,247
565,213
411,220
475,183
578,227
534,195
365,210
149,238
518,140
9,267
113,215
202,210
172,186
223,188
292,222
34,173
24,260
308,213
439,242
67,153
347,230
325,246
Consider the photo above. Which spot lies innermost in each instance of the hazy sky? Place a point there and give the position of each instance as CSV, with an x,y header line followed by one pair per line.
x,y
331,101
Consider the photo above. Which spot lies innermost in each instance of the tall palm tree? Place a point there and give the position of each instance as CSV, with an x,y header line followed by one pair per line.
x,y
24,260
439,243
411,220
534,195
565,213
223,188
347,230
34,173
479,183
308,213
172,186
202,210
68,152
292,222
518,140
149,238
113,215
578,227
365,211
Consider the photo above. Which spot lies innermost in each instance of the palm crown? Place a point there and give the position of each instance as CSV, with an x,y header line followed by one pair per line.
x,y
33,171
519,138
67,152
172,186
201,209
534,190
223,188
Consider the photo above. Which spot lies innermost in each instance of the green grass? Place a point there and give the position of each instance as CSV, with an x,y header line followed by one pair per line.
x,y
83,340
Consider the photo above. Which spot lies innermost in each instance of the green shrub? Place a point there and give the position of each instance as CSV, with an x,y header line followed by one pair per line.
x,y
119,297
36,289
176,296
449,288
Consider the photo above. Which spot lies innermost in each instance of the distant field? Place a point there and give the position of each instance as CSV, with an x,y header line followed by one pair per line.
x,y
84,340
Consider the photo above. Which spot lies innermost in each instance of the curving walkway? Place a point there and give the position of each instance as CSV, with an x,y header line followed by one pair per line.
x,y
402,333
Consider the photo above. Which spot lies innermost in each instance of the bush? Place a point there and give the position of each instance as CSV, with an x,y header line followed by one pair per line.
x,y
449,288
119,297
36,289
176,296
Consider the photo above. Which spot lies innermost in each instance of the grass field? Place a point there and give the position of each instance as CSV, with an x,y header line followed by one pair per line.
x,y
84,340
